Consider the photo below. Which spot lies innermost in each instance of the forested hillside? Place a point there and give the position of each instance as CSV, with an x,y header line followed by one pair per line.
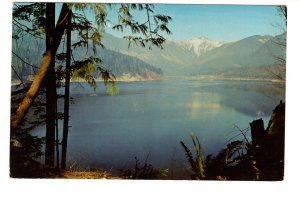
x,y
119,64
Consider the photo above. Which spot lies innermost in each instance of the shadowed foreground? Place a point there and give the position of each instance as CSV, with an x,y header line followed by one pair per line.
x,y
263,160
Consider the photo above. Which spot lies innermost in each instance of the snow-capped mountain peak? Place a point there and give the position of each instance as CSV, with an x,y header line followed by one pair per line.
x,y
200,45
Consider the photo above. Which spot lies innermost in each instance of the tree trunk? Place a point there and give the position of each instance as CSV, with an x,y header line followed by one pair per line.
x,y
50,83
56,136
19,115
257,132
67,97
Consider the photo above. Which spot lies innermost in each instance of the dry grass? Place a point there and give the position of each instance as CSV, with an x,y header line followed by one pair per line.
x,y
87,175
33,169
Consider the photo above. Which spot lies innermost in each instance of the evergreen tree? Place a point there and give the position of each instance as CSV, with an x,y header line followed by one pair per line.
x,y
50,83
37,20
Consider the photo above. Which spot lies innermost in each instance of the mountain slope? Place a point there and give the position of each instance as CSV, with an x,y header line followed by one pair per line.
x,y
124,66
172,59
203,56
252,52
251,55
119,64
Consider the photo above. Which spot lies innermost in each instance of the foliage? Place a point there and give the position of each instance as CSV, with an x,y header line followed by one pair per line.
x,y
111,89
235,162
29,20
196,163
115,63
145,171
32,19
282,12
227,159
151,34
85,69
24,146
280,73
242,160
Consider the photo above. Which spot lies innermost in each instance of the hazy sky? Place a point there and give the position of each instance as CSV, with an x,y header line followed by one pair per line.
x,y
220,22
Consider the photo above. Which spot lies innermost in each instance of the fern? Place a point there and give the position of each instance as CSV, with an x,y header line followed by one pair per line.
x,y
196,164
189,156
199,158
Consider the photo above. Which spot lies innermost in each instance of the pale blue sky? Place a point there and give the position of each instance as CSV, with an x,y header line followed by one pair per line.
x,y
219,22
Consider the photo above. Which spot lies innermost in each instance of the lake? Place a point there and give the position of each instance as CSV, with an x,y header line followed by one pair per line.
x,y
148,120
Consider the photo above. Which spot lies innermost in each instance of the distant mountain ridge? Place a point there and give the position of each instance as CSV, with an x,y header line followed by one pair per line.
x,y
171,57
237,54
250,56
203,56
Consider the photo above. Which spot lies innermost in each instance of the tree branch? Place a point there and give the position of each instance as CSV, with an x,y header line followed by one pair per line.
x,y
17,74
23,60
20,113
22,27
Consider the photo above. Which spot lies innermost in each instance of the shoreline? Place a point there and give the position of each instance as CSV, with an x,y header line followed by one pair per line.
x,y
165,78
216,78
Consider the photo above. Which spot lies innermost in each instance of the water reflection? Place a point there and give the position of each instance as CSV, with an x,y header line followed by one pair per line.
x,y
202,104
252,99
109,131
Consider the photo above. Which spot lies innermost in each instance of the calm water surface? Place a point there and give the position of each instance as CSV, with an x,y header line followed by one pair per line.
x,y
149,119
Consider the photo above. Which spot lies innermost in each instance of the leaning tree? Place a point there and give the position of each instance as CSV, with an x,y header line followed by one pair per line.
x,y
38,20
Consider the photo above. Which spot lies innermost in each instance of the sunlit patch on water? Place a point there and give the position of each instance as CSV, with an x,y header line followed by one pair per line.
x,y
202,103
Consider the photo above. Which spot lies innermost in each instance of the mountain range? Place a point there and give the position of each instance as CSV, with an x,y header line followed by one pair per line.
x,y
249,57
203,56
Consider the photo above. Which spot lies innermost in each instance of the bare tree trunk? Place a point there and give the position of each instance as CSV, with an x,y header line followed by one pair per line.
x,y
257,132
19,115
50,83
56,136
67,97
